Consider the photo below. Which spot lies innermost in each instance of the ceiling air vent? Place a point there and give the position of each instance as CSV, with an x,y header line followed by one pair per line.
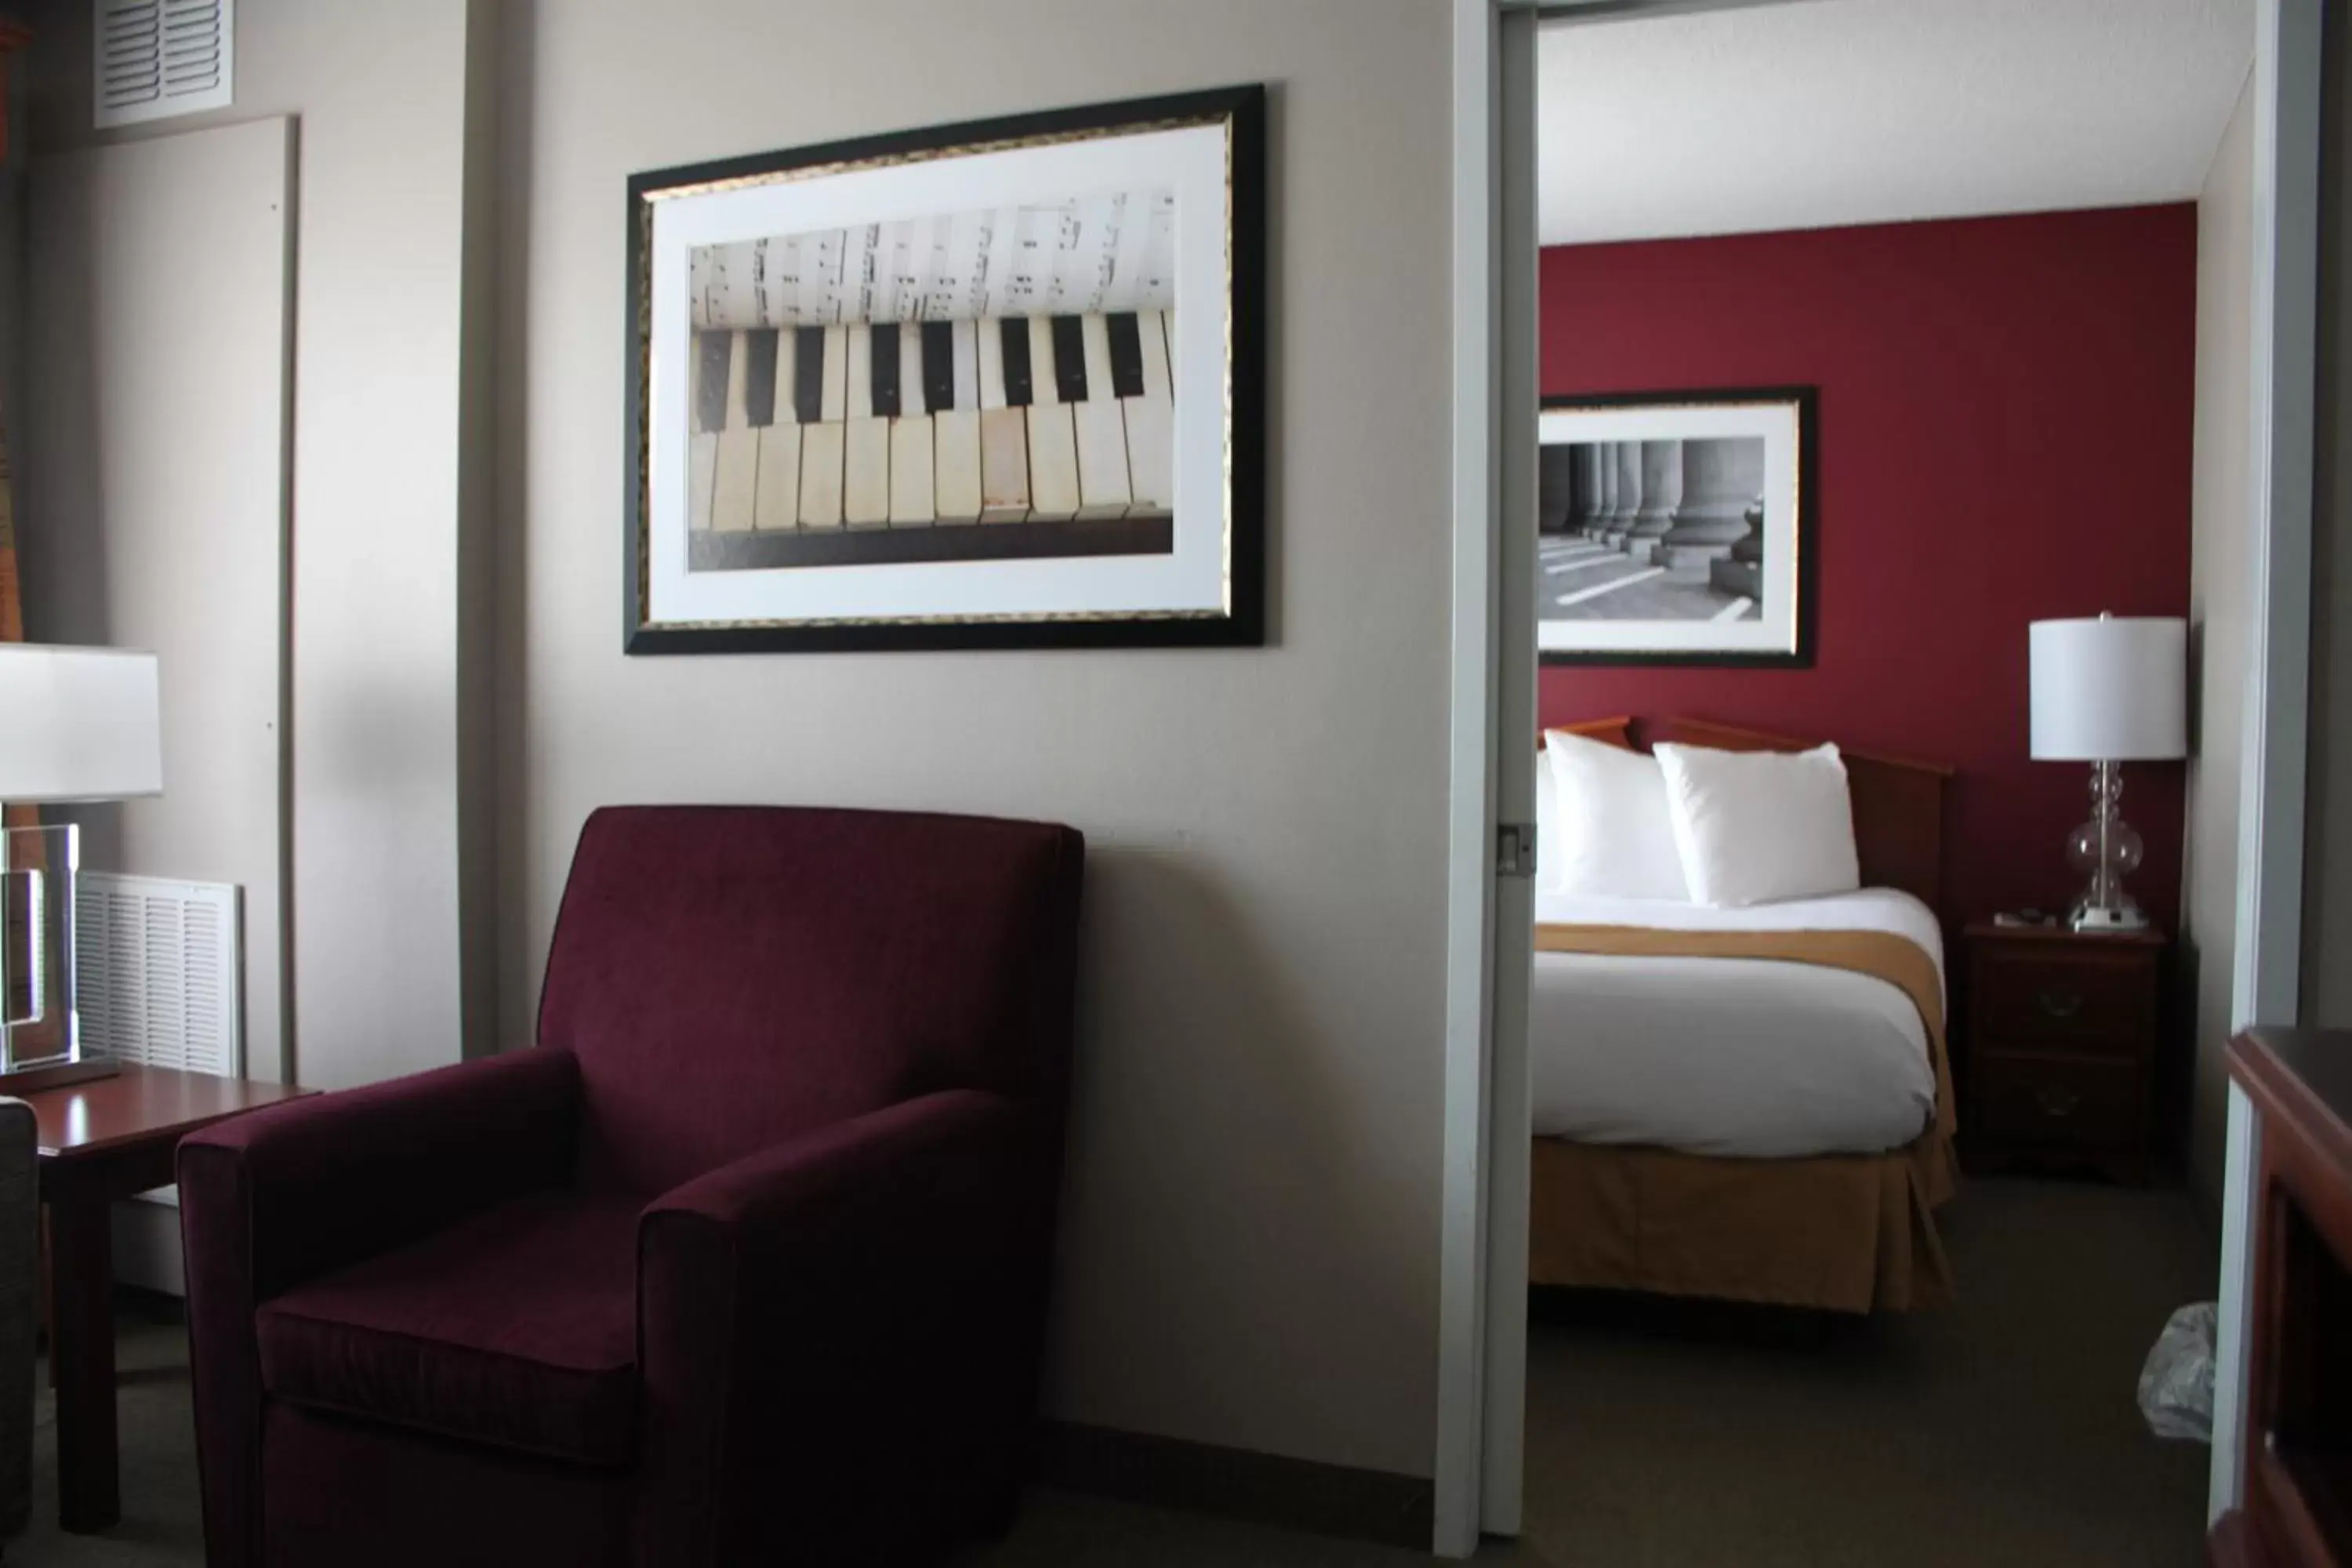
x,y
151,58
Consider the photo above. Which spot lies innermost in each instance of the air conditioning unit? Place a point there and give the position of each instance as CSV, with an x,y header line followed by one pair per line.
x,y
151,59
156,971
157,968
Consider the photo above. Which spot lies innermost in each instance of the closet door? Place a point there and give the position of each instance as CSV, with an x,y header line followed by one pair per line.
x,y
150,442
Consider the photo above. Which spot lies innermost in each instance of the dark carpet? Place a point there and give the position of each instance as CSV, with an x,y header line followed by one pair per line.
x,y
1998,1433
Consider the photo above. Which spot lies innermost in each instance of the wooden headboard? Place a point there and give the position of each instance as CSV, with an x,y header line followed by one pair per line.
x,y
1617,732
1898,805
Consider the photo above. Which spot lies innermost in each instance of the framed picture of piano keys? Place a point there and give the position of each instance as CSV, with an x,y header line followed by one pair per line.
x,y
987,385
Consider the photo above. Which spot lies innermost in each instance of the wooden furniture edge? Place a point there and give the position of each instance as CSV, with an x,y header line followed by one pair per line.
x,y
1737,738
2300,1082
1238,1483
2277,1092
1741,739
133,1073
2060,936
56,1075
1728,738
1617,731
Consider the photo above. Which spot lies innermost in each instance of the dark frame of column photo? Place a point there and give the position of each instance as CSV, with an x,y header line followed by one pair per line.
x,y
1661,542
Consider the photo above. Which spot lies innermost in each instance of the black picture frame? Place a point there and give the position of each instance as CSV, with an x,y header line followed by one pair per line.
x,y
1241,624
1807,556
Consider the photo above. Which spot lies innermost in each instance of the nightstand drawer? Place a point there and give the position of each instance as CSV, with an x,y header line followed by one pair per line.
x,y
2047,1102
2077,999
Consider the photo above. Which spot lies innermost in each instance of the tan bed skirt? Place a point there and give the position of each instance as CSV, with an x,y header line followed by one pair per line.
x,y
1853,1232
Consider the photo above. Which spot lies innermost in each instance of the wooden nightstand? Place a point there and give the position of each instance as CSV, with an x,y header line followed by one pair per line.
x,y
2058,1059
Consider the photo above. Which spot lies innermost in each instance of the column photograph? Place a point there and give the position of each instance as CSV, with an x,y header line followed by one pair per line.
x,y
1676,528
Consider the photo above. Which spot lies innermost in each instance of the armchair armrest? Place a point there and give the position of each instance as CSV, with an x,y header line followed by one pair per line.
x,y
284,1194
876,1283
317,1183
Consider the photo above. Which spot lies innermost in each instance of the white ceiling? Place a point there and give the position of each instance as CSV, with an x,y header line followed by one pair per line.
x,y
1821,113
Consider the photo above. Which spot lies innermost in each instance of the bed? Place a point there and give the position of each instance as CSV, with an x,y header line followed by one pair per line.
x,y
1751,1104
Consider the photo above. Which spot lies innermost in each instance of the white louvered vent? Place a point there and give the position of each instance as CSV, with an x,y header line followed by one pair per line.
x,y
156,971
151,58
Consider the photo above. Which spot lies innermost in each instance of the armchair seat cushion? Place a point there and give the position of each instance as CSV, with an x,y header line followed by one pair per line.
x,y
516,1329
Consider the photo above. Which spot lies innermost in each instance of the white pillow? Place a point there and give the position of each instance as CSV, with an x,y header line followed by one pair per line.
x,y
1757,826
1616,836
1547,828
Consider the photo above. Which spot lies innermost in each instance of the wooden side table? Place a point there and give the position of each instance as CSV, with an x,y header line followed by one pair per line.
x,y
101,1141
2059,1047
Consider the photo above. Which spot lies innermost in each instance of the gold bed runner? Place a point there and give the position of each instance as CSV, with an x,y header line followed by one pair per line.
x,y
1848,1232
1882,955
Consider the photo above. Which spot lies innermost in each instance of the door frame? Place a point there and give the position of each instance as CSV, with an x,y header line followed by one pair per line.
x,y
1482,1343
2266,970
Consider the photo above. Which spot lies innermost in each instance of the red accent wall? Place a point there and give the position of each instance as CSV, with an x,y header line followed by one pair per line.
x,y
2005,437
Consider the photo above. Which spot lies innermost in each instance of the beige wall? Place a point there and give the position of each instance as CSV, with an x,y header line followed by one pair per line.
x,y
141,473
1252,1212
2220,605
2327,860
380,95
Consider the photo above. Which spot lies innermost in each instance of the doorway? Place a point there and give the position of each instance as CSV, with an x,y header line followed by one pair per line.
x,y
1498,49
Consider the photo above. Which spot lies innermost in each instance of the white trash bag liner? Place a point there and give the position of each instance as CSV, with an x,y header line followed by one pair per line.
x,y
2176,1387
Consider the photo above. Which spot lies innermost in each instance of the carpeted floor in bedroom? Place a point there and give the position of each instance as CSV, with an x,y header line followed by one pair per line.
x,y
2000,1433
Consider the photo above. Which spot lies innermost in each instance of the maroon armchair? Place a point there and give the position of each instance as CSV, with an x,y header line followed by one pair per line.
x,y
745,1262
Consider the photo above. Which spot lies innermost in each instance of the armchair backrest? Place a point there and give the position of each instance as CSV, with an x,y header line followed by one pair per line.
x,y
730,976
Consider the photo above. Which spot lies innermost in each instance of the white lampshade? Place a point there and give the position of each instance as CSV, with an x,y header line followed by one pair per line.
x,y
78,723
2112,690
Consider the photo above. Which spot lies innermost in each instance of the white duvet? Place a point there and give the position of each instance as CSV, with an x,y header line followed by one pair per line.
x,y
1731,1056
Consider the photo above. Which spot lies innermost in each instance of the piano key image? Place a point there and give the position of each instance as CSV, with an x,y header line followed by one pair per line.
x,y
966,386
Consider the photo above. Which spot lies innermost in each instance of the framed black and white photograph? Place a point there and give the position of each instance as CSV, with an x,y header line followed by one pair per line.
x,y
1676,528
986,385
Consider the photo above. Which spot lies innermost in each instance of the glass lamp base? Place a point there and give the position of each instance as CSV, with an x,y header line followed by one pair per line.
x,y
38,1026
2107,849
2086,916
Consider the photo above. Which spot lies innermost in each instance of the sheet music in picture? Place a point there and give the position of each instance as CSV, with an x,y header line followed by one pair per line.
x,y
994,384
949,373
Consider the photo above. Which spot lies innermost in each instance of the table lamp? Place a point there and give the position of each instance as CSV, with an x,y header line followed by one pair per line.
x,y
76,725
2109,691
